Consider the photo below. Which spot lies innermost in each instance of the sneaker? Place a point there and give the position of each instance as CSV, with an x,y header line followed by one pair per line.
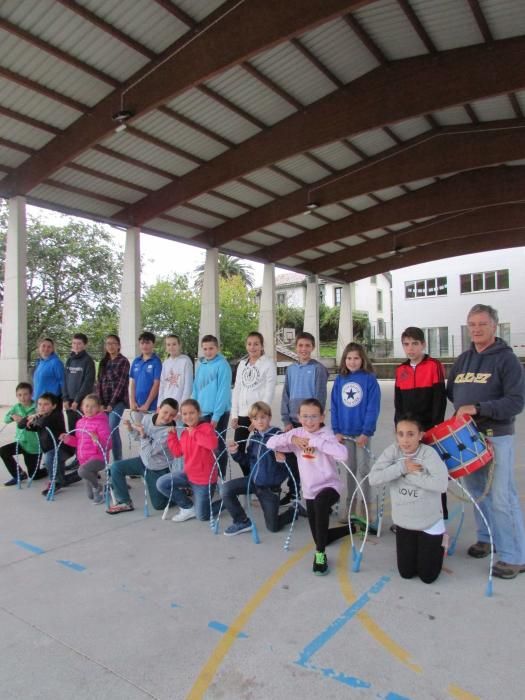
x,y
14,480
320,567
120,508
184,514
503,570
72,478
98,497
238,528
479,550
48,488
286,499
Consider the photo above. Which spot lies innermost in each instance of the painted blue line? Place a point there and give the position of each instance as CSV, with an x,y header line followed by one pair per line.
x,y
71,565
30,547
175,605
340,622
352,681
220,627
395,696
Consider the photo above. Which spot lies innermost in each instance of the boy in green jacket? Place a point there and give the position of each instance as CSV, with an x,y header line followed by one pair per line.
x,y
26,443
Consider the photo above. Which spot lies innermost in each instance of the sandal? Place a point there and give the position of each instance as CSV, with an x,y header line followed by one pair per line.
x,y
120,508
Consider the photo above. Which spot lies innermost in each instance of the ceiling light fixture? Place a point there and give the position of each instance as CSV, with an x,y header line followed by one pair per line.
x,y
121,117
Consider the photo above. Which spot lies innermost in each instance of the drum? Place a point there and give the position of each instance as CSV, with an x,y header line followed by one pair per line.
x,y
460,445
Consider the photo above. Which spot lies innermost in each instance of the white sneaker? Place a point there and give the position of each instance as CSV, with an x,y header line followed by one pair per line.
x,y
184,514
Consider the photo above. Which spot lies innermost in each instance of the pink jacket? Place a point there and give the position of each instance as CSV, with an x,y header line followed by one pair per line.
x,y
86,447
317,469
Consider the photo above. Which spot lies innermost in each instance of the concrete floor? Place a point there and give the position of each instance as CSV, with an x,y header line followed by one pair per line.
x,y
126,607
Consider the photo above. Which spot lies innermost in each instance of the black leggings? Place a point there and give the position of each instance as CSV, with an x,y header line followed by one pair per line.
x,y
318,510
419,554
8,453
240,436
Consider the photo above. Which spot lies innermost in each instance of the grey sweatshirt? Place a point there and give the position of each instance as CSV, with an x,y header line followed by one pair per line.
x,y
415,497
154,451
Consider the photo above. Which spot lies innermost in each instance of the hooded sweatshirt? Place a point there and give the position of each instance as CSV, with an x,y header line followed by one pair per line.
x,y
87,448
492,378
253,382
196,445
79,376
54,421
267,471
212,386
304,380
415,497
318,470
355,402
48,376
154,447
27,440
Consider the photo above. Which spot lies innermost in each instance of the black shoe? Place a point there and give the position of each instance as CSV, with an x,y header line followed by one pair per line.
x,y
286,499
48,488
72,478
301,510
320,566
14,480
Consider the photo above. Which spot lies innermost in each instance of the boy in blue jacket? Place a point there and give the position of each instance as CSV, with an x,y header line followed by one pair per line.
x,y
212,388
267,474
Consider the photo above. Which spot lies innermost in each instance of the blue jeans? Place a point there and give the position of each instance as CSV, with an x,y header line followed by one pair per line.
x,y
49,462
135,467
501,506
114,420
221,453
173,486
268,498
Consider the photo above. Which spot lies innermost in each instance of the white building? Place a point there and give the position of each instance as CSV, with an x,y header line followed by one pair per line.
x,y
437,296
371,297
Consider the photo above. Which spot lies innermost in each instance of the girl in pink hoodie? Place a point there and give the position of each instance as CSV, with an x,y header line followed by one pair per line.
x,y
317,450
92,442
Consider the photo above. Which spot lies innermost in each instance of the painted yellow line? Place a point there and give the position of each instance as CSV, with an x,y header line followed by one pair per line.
x,y
364,618
380,635
461,694
209,669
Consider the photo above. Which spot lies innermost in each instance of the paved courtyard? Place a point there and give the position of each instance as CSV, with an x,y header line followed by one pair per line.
x,y
127,607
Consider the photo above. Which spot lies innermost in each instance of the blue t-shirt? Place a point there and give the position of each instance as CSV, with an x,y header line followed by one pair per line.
x,y
144,373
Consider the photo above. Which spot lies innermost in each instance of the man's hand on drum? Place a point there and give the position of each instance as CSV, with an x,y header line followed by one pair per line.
x,y
468,410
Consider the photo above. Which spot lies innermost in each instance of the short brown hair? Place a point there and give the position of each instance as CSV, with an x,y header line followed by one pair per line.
x,y
413,332
259,407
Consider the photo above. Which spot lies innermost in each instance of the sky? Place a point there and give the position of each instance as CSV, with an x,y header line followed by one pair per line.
x,y
160,257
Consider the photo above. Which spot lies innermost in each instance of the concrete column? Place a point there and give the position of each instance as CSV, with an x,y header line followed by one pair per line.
x,y
130,316
345,332
267,310
13,352
311,311
209,323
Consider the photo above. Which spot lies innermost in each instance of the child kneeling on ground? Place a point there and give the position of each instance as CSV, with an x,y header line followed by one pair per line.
x,y
417,478
155,457
317,450
91,440
196,445
267,474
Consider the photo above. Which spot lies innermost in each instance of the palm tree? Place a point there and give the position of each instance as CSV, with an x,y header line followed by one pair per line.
x,y
228,267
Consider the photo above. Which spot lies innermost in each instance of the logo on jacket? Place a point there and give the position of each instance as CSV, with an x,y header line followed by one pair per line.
x,y
250,376
352,394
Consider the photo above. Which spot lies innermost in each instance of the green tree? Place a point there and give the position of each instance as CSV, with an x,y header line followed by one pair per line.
x,y
239,314
328,323
289,317
228,267
171,306
73,281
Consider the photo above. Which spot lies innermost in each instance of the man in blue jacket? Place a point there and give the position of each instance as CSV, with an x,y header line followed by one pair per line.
x,y
487,383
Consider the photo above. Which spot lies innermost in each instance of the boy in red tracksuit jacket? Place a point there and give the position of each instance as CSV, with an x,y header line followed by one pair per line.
x,y
420,386
196,444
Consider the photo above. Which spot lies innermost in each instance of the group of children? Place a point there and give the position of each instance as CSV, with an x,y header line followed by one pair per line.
x,y
191,422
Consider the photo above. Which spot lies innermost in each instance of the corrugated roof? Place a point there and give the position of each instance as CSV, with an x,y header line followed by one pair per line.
x,y
449,23
387,26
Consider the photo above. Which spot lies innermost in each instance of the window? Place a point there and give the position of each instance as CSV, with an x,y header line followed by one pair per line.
x,y
337,296
380,327
484,281
379,294
435,286
322,293
281,298
504,332
437,340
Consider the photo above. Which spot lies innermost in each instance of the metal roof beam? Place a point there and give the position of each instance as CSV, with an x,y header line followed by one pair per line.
x,y
383,96
467,190
446,150
216,48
